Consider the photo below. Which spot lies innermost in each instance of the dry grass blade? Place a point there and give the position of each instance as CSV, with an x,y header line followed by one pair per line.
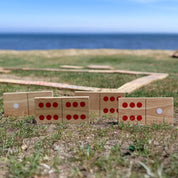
x,y
148,170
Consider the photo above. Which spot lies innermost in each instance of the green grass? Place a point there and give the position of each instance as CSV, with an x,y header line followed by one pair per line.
x,y
102,149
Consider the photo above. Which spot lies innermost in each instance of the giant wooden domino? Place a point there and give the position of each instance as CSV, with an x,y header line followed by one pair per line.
x,y
146,111
62,109
22,103
103,103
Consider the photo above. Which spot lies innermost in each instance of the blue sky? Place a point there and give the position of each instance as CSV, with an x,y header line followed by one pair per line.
x,y
89,16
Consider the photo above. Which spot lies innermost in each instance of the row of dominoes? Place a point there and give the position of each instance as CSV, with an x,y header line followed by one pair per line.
x,y
145,110
76,109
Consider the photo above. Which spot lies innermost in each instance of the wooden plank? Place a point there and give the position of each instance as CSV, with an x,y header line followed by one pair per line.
x,y
109,103
70,67
75,109
15,104
140,82
79,70
48,110
126,88
132,110
94,102
159,110
4,71
31,96
48,84
100,67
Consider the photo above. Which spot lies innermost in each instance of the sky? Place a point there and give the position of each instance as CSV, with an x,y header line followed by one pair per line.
x,y
89,16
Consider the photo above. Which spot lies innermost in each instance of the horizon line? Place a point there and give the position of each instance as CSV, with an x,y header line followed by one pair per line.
x,y
23,32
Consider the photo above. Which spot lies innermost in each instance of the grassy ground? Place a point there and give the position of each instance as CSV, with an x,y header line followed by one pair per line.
x,y
102,149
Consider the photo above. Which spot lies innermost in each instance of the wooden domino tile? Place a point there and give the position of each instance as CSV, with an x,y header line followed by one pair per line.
x,y
48,110
103,103
75,109
132,110
32,95
109,104
15,104
94,101
146,110
21,103
159,110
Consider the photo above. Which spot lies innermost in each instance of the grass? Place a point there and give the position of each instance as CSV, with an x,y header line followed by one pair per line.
x,y
102,149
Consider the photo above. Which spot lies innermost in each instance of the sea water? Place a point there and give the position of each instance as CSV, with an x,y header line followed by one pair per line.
x,y
88,41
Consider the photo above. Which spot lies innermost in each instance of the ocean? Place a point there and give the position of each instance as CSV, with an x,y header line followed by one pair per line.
x,y
88,41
